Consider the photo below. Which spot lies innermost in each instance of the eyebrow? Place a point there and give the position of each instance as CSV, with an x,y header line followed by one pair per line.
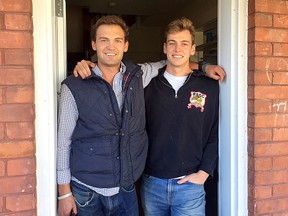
x,y
180,41
118,38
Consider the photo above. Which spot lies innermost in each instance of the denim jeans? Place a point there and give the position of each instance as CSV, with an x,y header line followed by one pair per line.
x,y
90,203
164,197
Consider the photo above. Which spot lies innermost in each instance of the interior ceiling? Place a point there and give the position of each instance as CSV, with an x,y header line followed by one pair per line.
x,y
153,12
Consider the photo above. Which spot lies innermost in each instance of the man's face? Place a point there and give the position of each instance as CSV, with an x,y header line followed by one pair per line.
x,y
110,45
179,48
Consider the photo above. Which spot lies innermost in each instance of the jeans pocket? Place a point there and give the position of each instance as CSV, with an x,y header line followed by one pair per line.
x,y
82,195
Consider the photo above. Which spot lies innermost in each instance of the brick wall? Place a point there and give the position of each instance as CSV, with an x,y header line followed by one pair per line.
x,y
268,107
17,140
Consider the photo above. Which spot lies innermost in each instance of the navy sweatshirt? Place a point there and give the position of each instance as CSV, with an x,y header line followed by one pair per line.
x,y
183,129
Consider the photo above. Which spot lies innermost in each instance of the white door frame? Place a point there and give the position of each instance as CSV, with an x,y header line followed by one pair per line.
x,y
233,155
50,68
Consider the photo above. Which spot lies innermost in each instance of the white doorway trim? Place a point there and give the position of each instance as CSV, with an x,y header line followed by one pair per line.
x,y
49,69
232,55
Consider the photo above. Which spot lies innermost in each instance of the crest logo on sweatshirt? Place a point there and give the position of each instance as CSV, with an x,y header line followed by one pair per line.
x,y
198,100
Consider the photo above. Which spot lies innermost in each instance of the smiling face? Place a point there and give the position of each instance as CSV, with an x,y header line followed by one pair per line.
x,y
110,45
178,48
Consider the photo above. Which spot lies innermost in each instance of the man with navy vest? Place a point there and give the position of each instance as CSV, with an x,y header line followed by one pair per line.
x,y
102,141
182,110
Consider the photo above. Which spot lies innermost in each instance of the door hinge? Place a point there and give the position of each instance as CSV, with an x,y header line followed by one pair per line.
x,y
59,8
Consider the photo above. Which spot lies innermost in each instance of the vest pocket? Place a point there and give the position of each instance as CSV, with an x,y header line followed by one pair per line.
x,y
93,162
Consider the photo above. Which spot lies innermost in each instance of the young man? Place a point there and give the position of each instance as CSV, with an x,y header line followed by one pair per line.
x,y
102,141
182,127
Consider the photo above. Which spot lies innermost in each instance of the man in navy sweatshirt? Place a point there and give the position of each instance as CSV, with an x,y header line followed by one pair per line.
x,y
182,126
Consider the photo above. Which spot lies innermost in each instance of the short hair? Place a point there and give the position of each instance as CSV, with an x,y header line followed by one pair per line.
x,y
179,25
109,20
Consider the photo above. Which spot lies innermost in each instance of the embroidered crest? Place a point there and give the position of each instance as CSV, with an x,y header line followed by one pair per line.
x,y
197,99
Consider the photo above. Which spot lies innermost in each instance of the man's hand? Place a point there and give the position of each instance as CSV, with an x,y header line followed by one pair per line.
x,y
66,206
83,69
196,178
215,72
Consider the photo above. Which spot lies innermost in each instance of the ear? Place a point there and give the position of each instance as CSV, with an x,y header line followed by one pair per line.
x,y
193,49
126,46
93,44
165,48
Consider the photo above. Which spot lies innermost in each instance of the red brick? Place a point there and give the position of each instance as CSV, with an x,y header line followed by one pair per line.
x,y
262,106
250,93
280,134
270,178
22,184
263,164
271,120
1,204
280,78
263,78
271,35
271,92
16,76
15,39
280,162
17,112
20,94
271,6
24,149
20,130
263,192
2,168
18,57
280,49
262,135
1,62
16,5
17,21
280,106
1,21
280,21
280,190
274,149
1,95
2,131
263,49
271,64
26,213
280,214
263,20
20,203
23,166
270,206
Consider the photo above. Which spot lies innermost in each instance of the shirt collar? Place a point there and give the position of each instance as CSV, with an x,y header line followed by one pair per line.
x,y
98,72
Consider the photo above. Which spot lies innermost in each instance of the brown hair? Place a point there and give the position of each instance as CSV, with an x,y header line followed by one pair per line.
x,y
180,25
109,20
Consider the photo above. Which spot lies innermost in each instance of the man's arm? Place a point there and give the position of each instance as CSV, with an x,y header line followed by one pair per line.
x,y
67,118
213,71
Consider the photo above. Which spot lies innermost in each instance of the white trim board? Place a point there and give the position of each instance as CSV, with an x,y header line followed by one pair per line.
x,y
45,105
232,55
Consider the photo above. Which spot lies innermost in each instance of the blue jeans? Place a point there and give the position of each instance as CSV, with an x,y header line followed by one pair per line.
x,y
164,197
90,203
